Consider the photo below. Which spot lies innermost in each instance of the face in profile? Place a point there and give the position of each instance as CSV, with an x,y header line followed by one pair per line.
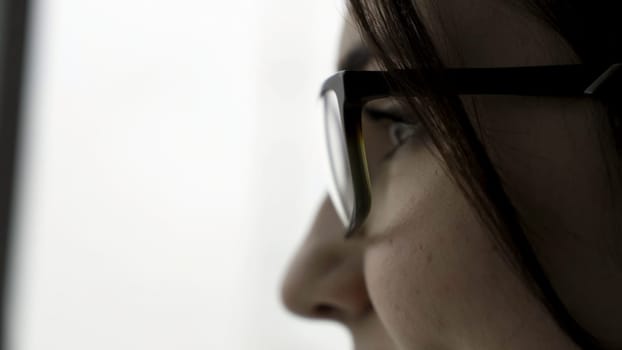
x,y
425,272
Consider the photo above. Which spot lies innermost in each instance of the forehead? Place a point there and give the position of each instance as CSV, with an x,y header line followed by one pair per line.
x,y
481,33
353,54
350,39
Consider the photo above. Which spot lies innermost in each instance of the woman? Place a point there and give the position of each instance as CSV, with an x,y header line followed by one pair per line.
x,y
483,211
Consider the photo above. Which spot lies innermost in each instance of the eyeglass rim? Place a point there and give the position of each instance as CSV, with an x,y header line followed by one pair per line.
x,y
355,88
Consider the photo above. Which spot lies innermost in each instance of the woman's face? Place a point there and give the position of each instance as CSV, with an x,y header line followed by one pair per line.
x,y
426,274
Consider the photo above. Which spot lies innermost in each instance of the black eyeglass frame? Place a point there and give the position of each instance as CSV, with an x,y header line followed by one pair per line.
x,y
355,88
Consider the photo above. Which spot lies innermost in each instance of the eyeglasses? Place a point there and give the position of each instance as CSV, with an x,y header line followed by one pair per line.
x,y
346,93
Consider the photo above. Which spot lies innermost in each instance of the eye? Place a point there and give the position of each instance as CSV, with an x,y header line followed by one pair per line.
x,y
385,129
386,126
390,129
400,132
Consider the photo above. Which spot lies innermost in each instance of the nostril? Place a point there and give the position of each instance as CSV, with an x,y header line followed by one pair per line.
x,y
324,310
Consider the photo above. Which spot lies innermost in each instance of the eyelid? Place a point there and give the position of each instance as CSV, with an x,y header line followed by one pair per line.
x,y
378,114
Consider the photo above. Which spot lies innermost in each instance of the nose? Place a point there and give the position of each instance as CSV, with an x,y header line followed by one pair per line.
x,y
325,279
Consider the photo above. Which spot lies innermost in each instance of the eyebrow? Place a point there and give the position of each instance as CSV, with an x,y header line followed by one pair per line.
x,y
356,59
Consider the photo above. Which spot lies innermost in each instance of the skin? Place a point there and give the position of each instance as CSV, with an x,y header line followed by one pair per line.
x,y
426,273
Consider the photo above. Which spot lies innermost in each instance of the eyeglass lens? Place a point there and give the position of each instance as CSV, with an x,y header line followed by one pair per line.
x,y
341,187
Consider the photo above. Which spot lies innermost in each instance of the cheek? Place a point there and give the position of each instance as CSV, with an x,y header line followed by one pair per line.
x,y
410,285
422,235
429,280
441,284
433,273
403,185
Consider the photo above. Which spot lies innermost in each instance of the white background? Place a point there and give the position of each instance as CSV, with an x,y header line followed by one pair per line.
x,y
169,169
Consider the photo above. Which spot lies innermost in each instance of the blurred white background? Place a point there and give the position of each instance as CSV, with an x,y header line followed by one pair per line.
x,y
169,170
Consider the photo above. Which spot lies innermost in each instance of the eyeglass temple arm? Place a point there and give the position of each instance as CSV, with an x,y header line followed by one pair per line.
x,y
568,80
563,80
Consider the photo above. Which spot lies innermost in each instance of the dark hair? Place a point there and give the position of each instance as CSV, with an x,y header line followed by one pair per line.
x,y
395,32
